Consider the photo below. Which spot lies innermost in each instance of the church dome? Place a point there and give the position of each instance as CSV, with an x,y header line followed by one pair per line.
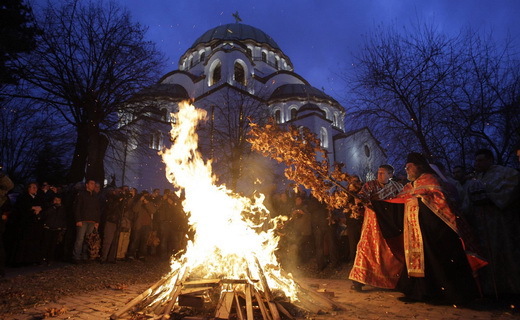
x,y
236,31
311,108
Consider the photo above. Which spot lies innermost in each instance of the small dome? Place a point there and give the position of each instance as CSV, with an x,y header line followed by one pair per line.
x,y
288,91
311,108
236,31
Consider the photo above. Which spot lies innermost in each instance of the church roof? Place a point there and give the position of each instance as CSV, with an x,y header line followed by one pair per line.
x,y
311,107
293,90
236,31
163,90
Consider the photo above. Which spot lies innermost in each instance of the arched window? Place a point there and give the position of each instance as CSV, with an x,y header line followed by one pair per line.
x,y
276,63
239,74
293,113
367,151
215,72
264,56
278,116
202,56
324,137
327,113
249,52
156,140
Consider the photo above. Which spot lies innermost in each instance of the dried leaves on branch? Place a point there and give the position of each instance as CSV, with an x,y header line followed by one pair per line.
x,y
307,162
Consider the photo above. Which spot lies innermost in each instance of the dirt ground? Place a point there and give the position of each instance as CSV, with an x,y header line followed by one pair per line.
x,y
27,292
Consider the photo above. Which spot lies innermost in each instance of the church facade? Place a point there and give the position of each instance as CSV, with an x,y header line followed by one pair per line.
x,y
237,73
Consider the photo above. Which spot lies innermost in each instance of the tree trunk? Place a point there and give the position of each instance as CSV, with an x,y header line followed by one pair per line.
x,y
97,145
79,161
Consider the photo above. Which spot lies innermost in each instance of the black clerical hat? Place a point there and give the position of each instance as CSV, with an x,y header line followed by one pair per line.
x,y
417,158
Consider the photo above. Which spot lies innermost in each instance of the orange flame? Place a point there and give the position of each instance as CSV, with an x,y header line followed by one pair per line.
x,y
233,234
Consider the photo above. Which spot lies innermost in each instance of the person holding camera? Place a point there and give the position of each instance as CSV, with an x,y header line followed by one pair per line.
x,y
143,209
113,213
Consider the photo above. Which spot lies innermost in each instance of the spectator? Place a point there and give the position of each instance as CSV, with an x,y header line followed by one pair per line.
x,y
54,227
113,213
354,217
29,224
324,245
87,215
495,202
5,208
46,193
298,234
126,223
143,209
166,225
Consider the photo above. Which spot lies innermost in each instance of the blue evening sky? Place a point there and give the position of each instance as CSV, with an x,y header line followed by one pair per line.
x,y
319,36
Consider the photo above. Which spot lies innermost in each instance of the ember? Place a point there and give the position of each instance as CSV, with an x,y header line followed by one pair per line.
x,y
230,265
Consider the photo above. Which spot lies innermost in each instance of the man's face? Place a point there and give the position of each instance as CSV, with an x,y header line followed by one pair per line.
x,y
57,201
32,189
482,163
412,171
90,185
458,173
383,176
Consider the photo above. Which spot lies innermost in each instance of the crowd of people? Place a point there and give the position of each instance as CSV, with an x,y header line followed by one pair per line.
x,y
435,237
88,223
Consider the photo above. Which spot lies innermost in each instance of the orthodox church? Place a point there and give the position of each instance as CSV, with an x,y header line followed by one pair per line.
x,y
235,72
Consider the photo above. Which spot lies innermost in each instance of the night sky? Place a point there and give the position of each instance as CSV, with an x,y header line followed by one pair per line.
x,y
319,36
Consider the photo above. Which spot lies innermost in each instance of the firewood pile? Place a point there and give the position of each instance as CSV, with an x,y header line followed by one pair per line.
x,y
177,296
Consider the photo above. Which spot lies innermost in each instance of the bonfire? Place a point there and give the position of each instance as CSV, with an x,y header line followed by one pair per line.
x,y
229,269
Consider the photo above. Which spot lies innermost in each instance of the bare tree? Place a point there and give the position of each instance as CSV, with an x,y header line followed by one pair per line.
x,y
22,137
89,60
486,99
18,37
399,81
445,96
229,115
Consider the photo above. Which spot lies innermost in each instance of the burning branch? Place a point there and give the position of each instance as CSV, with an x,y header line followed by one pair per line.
x,y
307,162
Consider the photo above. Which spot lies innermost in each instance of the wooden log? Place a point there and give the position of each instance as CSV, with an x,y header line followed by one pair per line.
x,y
284,311
317,298
195,290
202,282
249,302
304,302
263,309
140,298
267,292
225,304
175,293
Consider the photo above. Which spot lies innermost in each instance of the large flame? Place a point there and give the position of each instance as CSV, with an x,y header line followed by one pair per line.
x,y
234,237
